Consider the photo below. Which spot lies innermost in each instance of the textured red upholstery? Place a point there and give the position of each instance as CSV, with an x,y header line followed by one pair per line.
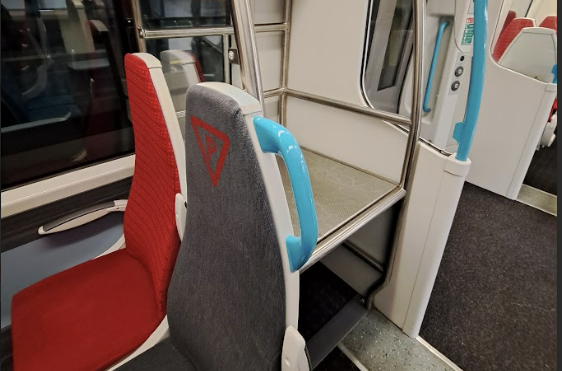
x,y
90,316
198,67
150,226
85,318
550,22
510,17
509,34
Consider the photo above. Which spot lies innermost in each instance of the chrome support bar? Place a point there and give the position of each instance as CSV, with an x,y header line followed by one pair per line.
x,y
285,62
326,245
383,115
413,140
206,31
247,49
225,60
273,93
137,20
416,115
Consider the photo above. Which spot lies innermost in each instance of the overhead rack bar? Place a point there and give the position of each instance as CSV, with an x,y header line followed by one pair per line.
x,y
205,31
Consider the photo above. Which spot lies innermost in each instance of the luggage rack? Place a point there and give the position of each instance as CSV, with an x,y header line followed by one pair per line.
x,y
342,206
342,195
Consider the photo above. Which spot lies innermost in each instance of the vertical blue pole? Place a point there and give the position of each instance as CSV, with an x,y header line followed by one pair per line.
x,y
464,131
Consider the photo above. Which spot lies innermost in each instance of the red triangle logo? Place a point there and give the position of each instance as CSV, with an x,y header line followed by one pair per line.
x,y
213,144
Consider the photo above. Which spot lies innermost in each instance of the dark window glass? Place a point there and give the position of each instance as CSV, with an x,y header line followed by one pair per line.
x,y
62,81
399,33
166,14
208,50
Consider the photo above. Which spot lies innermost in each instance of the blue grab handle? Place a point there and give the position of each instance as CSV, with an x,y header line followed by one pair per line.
x,y
555,73
274,138
442,28
464,131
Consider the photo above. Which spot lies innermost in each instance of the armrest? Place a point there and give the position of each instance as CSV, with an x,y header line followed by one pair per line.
x,y
82,217
181,214
294,357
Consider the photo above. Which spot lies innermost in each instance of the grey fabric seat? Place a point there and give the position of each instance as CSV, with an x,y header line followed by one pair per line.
x,y
163,356
227,301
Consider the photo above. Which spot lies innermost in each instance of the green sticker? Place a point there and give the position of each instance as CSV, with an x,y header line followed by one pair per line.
x,y
468,34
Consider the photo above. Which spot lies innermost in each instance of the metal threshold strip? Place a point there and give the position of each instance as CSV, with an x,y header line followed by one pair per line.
x,y
205,31
346,199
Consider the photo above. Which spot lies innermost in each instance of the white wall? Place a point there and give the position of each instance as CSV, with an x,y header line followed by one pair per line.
x,y
325,59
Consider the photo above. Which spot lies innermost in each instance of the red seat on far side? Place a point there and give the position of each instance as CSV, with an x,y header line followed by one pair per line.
x,y
550,22
509,34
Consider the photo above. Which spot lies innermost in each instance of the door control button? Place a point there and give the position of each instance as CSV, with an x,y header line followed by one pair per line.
x,y
456,85
459,71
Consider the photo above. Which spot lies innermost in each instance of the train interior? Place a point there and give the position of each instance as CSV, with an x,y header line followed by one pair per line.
x,y
278,184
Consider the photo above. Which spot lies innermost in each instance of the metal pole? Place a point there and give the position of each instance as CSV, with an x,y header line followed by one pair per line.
x,y
205,31
372,112
247,49
413,139
225,60
416,116
137,19
285,62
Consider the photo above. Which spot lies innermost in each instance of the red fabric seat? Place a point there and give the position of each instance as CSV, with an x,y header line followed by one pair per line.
x,y
92,315
550,22
509,34
106,305
510,17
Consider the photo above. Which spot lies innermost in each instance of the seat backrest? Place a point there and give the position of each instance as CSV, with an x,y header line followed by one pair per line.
x,y
232,294
181,70
509,33
510,17
550,22
533,53
149,225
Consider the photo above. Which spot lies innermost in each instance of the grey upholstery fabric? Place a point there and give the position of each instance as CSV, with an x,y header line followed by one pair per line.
x,y
226,301
163,356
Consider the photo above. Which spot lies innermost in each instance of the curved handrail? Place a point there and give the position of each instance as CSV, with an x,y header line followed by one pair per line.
x,y
440,32
274,138
464,131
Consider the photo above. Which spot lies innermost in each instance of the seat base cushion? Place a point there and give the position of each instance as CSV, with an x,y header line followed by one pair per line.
x,y
163,357
85,318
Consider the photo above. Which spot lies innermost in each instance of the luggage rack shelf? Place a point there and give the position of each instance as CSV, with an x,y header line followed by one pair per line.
x,y
345,198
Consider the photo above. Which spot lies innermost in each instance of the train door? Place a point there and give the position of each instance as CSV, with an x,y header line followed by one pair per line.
x,y
388,76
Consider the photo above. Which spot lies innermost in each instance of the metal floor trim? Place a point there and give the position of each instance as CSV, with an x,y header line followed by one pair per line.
x,y
325,340
439,355
538,199
352,357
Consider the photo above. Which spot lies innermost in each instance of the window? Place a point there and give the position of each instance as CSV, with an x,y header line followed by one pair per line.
x,y
63,100
389,47
207,51
170,14
399,32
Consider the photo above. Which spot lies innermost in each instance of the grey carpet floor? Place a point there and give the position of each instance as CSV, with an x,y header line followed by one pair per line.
x,y
543,169
494,302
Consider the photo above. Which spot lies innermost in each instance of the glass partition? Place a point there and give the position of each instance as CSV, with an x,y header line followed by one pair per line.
x,y
62,81
170,14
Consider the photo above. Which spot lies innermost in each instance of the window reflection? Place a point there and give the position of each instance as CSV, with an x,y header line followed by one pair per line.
x,y
63,101
399,33
166,14
527,39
